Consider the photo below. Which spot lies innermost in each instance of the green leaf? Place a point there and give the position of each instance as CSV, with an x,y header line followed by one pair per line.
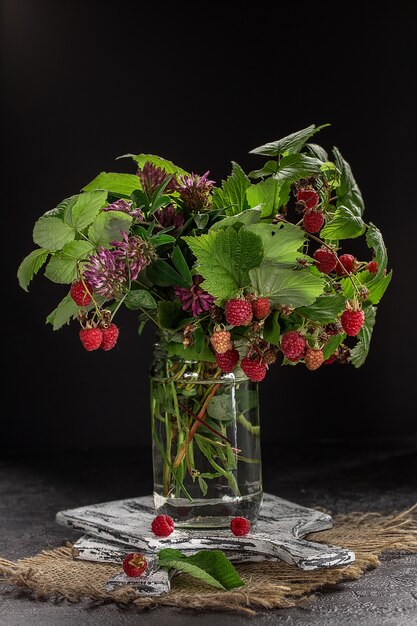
x,y
324,309
52,233
270,194
62,268
291,143
377,288
250,216
163,275
107,227
118,184
332,344
359,353
224,259
166,165
177,349
286,287
296,166
281,242
232,192
64,312
169,314
272,330
220,407
140,299
59,210
181,265
375,241
348,192
30,266
85,209
199,340
210,566
317,151
346,224
269,168
162,240
201,220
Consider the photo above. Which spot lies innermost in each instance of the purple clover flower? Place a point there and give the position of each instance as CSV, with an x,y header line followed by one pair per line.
x,y
151,177
134,251
169,216
124,207
194,299
195,191
105,273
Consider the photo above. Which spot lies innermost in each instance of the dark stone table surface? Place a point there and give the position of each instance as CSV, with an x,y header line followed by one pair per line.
x,y
353,476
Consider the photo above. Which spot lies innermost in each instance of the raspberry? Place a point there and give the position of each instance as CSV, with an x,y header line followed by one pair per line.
x,y
346,264
91,338
326,260
335,328
110,337
313,358
228,361
331,358
162,525
313,221
238,312
293,345
240,526
372,267
221,341
261,308
79,294
309,197
255,370
352,321
269,356
134,564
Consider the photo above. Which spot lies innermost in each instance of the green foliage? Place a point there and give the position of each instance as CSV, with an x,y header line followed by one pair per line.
x,y
117,184
359,353
181,265
84,210
175,348
140,299
281,242
169,314
324,309
64,313
346,224
272,330
296,166
286,287
158,161
209,566
160,273
52,233
62,267
107,227
291,143
348,192
332,344
220,407
250,216
269,168
375,241
232,194
270,194
224,259
30,266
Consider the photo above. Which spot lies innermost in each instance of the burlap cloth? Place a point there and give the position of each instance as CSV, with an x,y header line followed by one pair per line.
x,y
54,574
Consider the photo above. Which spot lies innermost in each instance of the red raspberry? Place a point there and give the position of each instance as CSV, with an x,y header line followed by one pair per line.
x,y
293,345
91,338
372,267
326,260
313,359
110,337
261,308
79,294
352,321
221,341
309,197
313,221
254,370
331,358
162,525
240,526
238,312
346,264
228,361
134,564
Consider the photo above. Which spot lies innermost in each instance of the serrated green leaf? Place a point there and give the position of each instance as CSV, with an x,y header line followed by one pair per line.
x,y
296,166
359,353
158,161
181,265
59,210
64,312
375,241
272,330
317,151
62,267
291,143
160,273
346,224
224,259
250,216
169,314
232,193
30,266
85,209
281,242
108,226
117,184
324,309
52,233
270,194
332,344
348,192
286,287
377,288
210,566
269,168
177,349
140,299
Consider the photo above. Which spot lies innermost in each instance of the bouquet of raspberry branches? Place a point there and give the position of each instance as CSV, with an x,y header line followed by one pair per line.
x,y
231,275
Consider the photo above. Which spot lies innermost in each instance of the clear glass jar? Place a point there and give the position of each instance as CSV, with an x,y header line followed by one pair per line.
x,y
205,442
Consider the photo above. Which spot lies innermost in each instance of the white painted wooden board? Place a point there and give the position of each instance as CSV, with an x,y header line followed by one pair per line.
x,y
278,534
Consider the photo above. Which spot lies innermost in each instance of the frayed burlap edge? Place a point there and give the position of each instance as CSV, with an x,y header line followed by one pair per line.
x,y
54,574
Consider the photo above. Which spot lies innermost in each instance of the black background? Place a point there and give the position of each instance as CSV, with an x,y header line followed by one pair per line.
x,y
87,81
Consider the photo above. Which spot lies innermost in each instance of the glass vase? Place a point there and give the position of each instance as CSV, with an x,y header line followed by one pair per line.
x,y
205,443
